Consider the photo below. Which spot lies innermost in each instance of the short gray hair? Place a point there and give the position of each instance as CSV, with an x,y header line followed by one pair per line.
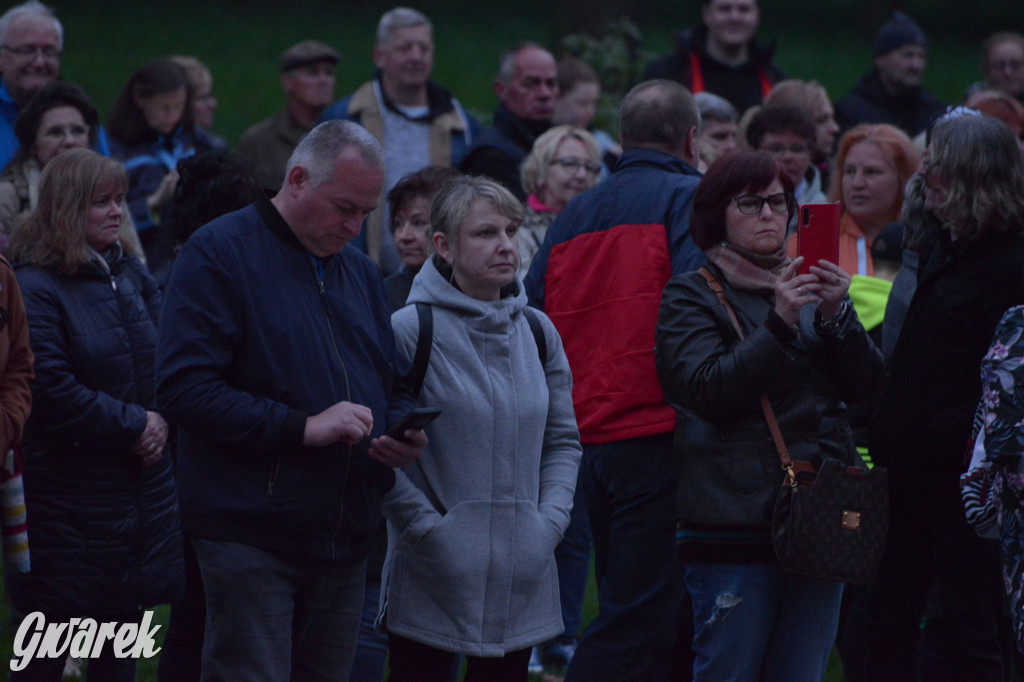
x,y
980,161
507,60
32,8
535,166
318,150
657,113
400,17
715,108
453,202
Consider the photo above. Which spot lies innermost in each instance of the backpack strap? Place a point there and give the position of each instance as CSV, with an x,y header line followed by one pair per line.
x,y
425,338
538,334
423,343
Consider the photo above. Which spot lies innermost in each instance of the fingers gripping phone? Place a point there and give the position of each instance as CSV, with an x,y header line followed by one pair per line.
x,y
818,236
417,420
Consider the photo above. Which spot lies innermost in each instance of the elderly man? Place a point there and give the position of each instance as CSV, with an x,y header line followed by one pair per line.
x,y
599,275
526,86
31,39
891,92
417,121
721,55
279,368
307,78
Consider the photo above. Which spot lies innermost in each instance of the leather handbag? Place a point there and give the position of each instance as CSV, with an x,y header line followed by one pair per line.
x,y
831,522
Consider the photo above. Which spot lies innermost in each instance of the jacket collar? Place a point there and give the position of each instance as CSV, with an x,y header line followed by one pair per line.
x,y
696,40
641,157
276,224
439,101
520,131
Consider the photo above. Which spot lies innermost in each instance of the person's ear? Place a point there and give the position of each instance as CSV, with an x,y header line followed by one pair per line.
x,y
297,178
442,247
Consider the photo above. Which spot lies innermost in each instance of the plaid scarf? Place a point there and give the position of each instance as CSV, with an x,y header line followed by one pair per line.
x,y
748,271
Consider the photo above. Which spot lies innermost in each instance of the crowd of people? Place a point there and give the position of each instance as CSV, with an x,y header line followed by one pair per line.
x,y
368,393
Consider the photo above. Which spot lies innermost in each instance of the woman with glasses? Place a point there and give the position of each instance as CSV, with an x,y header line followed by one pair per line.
x,y
564,162
873,165
803,346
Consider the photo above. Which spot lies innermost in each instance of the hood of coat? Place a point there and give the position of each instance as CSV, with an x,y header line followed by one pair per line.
x,y
431,287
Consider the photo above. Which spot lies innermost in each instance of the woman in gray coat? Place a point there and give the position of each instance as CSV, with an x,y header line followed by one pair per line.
x,y
473,525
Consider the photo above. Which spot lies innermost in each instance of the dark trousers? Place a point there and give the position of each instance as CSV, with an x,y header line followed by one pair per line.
x,y
630,488
182,654
925,545
414,662
276,616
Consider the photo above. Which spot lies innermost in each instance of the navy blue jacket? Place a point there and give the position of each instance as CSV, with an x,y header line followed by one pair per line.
x,y
255,341
501,149
104,530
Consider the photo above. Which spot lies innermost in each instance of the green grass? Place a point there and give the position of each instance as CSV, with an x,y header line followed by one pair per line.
x,y
241,41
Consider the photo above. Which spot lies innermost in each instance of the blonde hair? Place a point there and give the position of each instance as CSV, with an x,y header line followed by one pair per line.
x,y
535,166
896,146
53,235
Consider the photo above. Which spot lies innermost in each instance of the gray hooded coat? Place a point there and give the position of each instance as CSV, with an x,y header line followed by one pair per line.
x,y
473,524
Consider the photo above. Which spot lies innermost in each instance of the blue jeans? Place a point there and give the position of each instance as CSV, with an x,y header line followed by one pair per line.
x,y
372,648
572,557
629,487
755,622
276,616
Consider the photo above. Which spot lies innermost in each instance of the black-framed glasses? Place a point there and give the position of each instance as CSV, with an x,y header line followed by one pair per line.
x,y
751,204
572,165
30,52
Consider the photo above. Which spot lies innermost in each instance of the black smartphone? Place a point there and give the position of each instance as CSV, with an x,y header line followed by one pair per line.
x,y
417,419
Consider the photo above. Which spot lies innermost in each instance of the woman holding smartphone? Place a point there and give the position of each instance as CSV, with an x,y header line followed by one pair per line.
x,y
473,525
802,346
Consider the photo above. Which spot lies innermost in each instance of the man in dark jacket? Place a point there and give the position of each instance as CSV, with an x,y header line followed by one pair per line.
x,y
526,86
599,275
279,367
891,92
721,56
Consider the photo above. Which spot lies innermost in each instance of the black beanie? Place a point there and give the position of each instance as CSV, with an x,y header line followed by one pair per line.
x,y
900,30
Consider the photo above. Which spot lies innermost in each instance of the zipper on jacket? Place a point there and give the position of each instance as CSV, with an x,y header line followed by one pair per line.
x,y
348,397
273,475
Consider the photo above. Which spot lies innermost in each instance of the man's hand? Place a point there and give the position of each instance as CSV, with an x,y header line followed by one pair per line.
x,y
344,421
398,453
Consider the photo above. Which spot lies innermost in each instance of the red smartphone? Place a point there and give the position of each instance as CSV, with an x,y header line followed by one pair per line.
x,y
818,236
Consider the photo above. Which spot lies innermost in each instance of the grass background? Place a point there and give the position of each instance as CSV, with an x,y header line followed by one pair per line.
x,y
830,40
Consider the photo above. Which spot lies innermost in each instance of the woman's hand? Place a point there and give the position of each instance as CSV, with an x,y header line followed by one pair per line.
x,y
794,291
150,445
834,283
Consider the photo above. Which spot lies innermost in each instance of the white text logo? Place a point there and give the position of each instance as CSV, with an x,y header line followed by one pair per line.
x,y
82,638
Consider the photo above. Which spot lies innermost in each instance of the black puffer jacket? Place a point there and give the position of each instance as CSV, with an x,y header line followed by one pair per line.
x,y
104,531
730,467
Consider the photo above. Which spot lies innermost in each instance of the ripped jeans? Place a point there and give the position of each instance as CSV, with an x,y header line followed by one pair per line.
x,y
754,622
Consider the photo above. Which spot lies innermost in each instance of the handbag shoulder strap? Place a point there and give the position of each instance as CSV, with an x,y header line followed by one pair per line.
x,y
766,406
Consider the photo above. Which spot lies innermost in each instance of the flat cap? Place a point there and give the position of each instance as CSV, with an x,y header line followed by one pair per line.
x,y
307,52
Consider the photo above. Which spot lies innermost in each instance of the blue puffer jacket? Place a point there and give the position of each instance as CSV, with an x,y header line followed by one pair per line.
x,y
257,341
104,531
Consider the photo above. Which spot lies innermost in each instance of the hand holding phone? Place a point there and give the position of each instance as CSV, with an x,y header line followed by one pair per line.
x,y
818,235
417,419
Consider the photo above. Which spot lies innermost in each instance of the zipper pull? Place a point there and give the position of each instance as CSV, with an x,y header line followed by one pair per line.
x,y
113,283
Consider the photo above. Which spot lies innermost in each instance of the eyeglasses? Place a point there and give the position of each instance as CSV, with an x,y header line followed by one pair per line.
x,y
751,204
48,53
573,165
780,149
1008,65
